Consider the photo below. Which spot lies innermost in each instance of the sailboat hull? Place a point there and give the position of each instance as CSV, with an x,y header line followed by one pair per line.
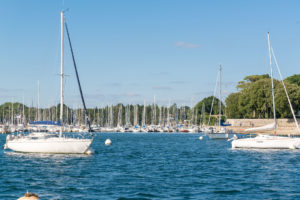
x,y
267,142
220,135
50,145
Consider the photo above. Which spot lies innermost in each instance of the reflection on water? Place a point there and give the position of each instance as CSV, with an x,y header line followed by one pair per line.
x,y
43,155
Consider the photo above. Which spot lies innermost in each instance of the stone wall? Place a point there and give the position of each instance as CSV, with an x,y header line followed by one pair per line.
x,y
284,126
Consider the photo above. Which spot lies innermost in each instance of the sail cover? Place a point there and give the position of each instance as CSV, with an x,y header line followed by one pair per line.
x,y
55,123
262,128
222,124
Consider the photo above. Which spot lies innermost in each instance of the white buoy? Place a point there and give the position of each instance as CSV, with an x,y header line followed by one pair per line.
x,y
201,138
107,142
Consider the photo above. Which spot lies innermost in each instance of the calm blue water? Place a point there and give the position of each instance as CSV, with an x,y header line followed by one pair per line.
x,y
153,166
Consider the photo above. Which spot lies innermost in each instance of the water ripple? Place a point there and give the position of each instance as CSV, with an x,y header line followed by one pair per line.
x,y
153,166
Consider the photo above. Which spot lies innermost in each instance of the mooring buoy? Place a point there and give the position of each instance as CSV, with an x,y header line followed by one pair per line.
x,y
107,142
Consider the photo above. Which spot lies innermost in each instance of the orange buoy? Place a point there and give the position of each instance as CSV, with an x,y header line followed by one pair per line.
x,y
29,196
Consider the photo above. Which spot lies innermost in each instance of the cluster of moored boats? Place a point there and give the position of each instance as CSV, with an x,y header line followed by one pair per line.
x,y
52,126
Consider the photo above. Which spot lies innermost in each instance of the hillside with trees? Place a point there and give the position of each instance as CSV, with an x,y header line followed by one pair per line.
x,y
254,98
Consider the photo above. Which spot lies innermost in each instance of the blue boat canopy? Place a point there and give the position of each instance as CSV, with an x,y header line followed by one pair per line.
x,y
45,123
222,124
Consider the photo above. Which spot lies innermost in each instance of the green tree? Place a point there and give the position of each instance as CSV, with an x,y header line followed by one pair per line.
x,y
281,101
254,100
295,79
207,108
248,80
232,106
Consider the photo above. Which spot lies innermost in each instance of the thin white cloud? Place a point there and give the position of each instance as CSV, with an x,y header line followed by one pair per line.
x,y
129,94
186,45
114,84
161,88
160,73
227,84
179,82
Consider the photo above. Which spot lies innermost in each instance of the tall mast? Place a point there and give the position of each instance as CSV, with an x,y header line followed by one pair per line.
x,y
136,115
120,116
154,112
12,112
23,113
202,114
111,116
168,115
160,116
38,104
61,71
287,95
220,103
196,116
192,112
144,114
273,97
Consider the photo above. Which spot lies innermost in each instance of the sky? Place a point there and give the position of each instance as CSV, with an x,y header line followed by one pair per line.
x,y
134,51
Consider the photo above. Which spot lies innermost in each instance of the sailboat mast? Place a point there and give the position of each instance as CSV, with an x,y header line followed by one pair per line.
x,y
220,103
202,114
12,112
38,104
273,97
23,113
291,107
61,70
144,114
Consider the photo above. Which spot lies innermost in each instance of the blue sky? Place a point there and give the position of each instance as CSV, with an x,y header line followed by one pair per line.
x,y
130,51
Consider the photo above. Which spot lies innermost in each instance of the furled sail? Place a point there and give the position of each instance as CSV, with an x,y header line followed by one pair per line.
x,y
262,128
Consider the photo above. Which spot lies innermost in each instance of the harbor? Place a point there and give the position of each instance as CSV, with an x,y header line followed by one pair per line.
x,y
149,100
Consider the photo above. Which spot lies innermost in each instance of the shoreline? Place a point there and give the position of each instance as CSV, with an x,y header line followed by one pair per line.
x,y
285,126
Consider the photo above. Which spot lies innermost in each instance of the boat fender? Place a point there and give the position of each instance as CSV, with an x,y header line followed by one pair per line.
x,y
292,146
233,146
89,152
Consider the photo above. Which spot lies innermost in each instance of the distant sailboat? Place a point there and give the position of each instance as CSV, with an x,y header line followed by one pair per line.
x,y
119,125
220,132
144,126
136,128
270,141
47,142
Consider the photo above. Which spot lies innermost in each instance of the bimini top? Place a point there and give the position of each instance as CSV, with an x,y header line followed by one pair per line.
x,y
55,123
222,124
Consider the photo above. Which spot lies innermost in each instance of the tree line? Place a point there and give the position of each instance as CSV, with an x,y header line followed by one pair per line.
x,y
253,100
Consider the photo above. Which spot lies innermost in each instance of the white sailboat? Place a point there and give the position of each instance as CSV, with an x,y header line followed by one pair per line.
x,y
220,132
46,142
144,126
270,141
136,127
